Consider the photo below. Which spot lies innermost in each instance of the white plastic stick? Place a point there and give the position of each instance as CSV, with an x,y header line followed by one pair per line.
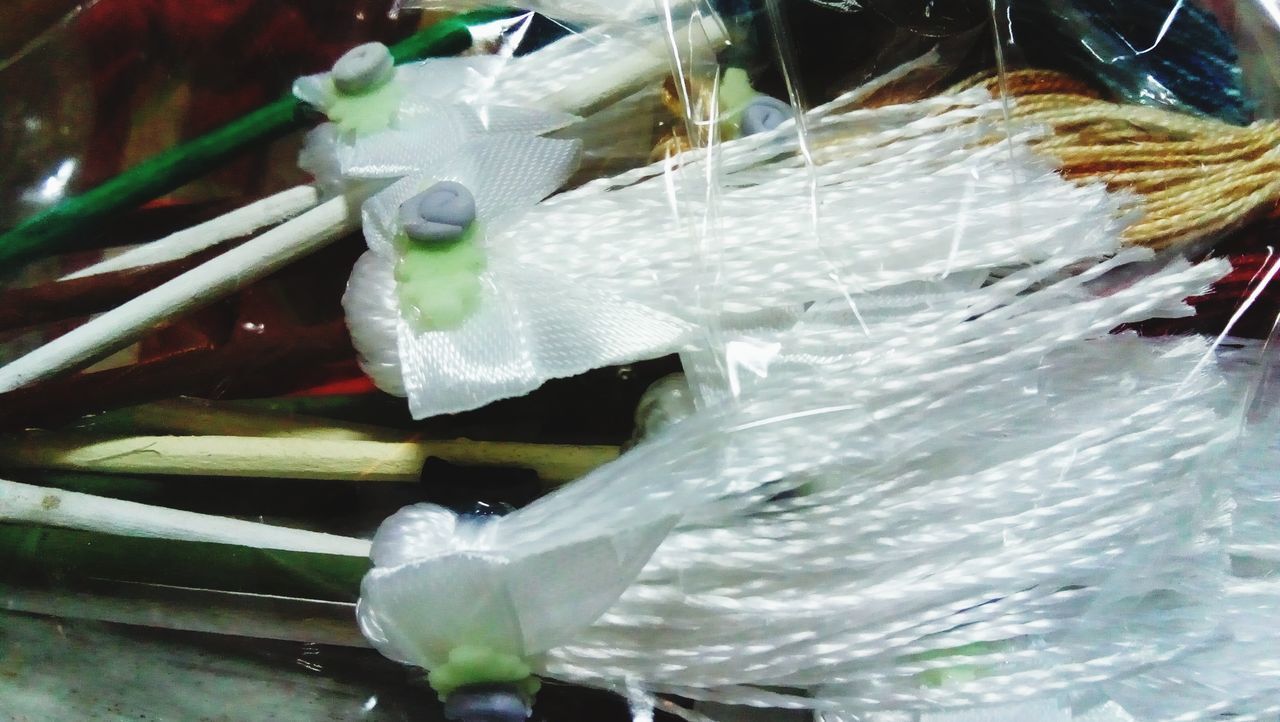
x,y
234,224
199,286
293,458
581,74
72,510
630,71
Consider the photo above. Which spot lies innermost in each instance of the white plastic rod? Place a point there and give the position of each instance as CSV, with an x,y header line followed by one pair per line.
x,y
634,67
72,510
201,285
234,224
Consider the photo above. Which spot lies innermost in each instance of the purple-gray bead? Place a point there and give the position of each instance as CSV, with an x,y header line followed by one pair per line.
x,y
763,114
363,68
440,214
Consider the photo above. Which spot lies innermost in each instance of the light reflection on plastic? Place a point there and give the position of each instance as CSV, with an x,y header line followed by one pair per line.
x,y
640,702
500,37
1164,29
55,186
369,704
1272,8
310,651
754,358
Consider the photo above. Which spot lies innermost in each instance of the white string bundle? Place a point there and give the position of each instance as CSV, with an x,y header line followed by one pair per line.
x,y
1239,677
938,483
904,193
1255,474
984,489
603,274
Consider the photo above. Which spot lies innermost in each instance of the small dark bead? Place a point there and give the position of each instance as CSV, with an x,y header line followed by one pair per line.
x,y
487,703
489,509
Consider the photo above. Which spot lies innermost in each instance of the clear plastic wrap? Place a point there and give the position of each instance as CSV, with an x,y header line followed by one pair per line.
x,y
1177,610
974,310
944,463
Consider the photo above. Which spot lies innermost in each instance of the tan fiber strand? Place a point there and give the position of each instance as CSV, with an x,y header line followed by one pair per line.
x,y
1163,154
1197,176
1148,184
1179,227
1225,185
290,458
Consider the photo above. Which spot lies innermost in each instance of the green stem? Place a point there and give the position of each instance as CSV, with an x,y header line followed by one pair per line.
x,y
48,231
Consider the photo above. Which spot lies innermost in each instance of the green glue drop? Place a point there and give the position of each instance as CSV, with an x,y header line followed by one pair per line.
x,y
365,96
746,111
956,674
479,684
438,276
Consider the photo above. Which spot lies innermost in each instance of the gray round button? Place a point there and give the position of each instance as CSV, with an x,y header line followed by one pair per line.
x,y
764,114
363,68
440,214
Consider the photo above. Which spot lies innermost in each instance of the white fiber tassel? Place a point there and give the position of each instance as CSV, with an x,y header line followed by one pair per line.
x,y
1037,711
1238,677
601,274
1255,528
962,504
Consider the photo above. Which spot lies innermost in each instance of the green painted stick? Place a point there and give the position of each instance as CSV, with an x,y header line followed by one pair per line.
x,y
48,231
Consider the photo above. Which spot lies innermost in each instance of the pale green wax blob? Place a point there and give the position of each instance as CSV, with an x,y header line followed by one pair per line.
x,y
474,664
439,286
958,674
367,112
736,94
